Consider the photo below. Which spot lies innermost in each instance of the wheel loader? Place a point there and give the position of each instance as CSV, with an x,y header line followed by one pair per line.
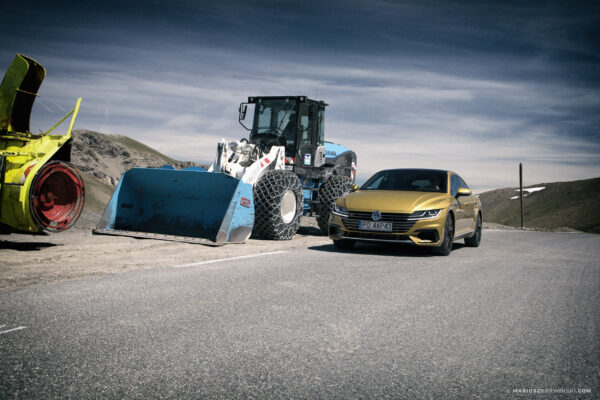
x,y
259,185
39,189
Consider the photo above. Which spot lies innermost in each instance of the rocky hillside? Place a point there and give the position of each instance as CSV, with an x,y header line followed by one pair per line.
x,y
106,157
557,205
102,159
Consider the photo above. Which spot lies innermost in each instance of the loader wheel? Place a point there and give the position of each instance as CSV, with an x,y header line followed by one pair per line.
x,y
56,196
335,187
278,204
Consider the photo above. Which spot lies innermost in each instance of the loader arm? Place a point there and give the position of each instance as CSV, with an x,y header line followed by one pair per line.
x,y
229,161
274,159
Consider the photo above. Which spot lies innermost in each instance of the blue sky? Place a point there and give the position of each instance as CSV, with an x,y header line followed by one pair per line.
x,y
476,87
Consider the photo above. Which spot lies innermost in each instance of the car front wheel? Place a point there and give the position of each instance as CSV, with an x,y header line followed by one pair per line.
x,y
446,246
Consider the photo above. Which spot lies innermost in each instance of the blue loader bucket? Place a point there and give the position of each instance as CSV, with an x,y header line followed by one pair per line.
x,y
189,205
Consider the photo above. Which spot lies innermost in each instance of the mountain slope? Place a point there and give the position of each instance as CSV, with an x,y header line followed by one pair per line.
x,y
560,205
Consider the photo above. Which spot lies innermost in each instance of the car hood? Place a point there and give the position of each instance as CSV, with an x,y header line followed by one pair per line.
x,y
394,201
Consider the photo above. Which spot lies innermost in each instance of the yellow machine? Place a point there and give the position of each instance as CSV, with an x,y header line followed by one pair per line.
x,y
39,189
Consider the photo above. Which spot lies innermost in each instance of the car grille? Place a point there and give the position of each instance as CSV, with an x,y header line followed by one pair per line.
x,y
400,224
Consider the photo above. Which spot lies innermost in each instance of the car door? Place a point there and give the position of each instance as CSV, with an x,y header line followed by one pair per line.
x,y
468,205
461,206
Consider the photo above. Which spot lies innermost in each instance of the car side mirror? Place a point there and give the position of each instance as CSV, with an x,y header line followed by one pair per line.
x,y
353,188
463,192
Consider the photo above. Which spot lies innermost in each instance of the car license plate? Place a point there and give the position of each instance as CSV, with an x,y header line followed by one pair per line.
x,y
375,226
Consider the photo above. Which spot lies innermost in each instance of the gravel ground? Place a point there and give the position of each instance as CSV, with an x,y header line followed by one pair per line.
x,y
27,260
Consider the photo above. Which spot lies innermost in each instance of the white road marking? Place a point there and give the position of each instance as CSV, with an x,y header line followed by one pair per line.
x,y
18,328
228,259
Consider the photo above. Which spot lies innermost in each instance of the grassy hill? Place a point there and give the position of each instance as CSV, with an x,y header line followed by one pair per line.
x,y
560,205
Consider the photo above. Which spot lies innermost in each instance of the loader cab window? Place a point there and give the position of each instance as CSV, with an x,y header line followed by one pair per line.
x,y
321,128
305,132
273,118
263,121
312,124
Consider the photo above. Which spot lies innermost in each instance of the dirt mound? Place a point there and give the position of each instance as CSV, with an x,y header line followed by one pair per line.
x,y
103,158
106,157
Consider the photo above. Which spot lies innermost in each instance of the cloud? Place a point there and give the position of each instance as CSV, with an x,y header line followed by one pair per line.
x,y
474,88
390,117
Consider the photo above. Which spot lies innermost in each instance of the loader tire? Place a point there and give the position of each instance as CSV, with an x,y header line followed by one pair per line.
x,y
335,187
278,203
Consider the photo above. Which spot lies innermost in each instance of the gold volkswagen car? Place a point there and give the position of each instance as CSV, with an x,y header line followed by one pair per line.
x,y
425,207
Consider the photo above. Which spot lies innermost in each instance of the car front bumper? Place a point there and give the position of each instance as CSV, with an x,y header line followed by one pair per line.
x,y
425,232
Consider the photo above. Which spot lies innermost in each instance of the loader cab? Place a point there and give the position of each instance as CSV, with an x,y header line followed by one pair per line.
x,y
296,122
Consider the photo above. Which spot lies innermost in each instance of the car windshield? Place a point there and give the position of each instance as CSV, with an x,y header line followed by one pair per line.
x,y
412,180
272,117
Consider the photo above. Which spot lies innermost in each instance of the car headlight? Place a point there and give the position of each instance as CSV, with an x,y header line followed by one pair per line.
x,y
340,211
425,214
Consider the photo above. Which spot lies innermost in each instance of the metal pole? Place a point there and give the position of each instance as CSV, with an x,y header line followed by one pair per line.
x,y
521,192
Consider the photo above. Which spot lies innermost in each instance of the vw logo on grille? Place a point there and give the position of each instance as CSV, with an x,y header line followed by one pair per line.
x,y
376,215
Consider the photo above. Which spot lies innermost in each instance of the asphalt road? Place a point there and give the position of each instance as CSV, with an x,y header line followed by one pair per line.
x,y
517,314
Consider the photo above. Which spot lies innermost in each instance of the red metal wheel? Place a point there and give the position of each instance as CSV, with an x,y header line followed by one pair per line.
x,y
57,196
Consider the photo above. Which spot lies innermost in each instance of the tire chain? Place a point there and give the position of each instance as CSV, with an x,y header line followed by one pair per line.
x,y
268,193
335,187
